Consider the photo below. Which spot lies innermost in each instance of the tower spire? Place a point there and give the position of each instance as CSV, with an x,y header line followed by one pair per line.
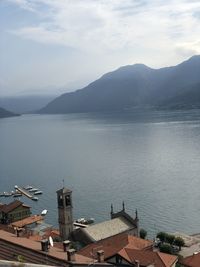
x,y
123,206
111,211
136,214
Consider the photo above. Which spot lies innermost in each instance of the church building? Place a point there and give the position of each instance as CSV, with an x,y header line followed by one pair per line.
x,y
120,222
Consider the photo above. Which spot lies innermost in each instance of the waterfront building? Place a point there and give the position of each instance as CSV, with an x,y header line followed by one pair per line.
x,y
13,211
120,222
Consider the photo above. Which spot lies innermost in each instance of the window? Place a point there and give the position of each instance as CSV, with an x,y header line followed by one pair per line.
x,y
67,201
60,201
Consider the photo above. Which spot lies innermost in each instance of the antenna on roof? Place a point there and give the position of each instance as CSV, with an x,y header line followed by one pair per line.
x,y
63,183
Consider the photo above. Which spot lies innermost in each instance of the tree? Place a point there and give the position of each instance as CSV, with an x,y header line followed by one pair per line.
x,y
166,248
178,241
162,236
170,239
143,233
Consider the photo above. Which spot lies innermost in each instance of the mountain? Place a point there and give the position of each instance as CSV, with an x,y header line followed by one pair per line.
x,y
5,113
135,86
25,104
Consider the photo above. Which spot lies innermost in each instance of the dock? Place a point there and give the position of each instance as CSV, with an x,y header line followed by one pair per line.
x,y
24,192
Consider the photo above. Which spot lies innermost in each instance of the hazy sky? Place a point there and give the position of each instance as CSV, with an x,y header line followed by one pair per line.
x,y
52,46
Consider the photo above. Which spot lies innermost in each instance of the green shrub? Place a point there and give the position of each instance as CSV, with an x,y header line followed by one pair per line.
x,y
166,248
143,233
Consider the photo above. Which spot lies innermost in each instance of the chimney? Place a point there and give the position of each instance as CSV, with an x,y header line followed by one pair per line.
x,y
44,245
66,244
71,254
137,263
100,256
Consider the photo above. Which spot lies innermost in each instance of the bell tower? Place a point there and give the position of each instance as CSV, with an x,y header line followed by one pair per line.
x,y
65,217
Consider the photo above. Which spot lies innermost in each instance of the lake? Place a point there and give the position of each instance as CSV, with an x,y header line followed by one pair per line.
x,y
150,160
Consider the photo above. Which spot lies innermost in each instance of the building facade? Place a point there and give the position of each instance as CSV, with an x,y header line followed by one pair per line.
x,y
13,211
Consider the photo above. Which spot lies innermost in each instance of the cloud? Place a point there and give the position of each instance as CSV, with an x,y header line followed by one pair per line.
x,y
105,34
96,25
24,4
189,48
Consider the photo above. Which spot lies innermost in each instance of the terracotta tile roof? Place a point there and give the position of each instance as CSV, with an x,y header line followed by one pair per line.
x,y
147,258
47,234
138,243
167,260
36,246
52,232
55,232
114,244
11,206
27,221
192,261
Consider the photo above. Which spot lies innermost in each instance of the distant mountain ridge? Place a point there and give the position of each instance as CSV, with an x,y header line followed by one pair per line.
x,y
25,104
135,86
5,113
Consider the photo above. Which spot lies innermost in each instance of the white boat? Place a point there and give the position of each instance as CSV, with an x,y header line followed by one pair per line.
x,y
85,221
28,187
44,212
38,192
35,198
7,194
33,190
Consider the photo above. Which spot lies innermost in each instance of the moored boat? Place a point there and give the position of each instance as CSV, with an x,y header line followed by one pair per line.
x,y
17,194
35,198
38,192
33,190
28,187
85,221
7,194
44,212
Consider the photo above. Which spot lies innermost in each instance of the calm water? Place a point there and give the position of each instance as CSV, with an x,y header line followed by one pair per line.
x,y
149,160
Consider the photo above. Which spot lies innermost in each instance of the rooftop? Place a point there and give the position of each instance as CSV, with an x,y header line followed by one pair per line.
x,y
6,208
36,246
108,228
114,244
146,257
192,261
27,221
64,190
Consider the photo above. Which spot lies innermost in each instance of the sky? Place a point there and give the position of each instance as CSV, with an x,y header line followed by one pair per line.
x,y
56,46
